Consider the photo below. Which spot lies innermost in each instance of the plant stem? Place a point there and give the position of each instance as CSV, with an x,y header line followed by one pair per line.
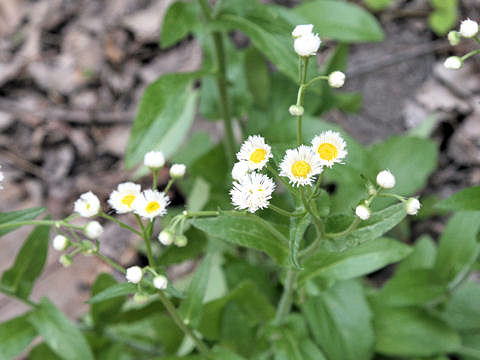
x,y
221,81
147,234
280,178
8,292
169,185
111,263
301,91
123,225
155,179
193,214
471,53
347,231
285,304
285,212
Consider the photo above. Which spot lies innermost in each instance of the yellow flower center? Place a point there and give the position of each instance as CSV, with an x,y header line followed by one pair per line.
x,y
127,200
88,206
327,151
152,206
258,155
301,168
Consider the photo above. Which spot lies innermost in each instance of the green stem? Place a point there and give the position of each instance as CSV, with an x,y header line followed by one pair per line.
x,y
155,179
321,77
471,53
169,185
140,223
347,231
201,346
316,220
300,94
285,304
280,178
285,212
147,234
395,196
111,263
122,224
9,293
193,214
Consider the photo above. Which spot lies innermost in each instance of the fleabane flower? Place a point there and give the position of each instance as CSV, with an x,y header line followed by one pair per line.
x,y
121,200
412,206
87,205
255,152
453,63
154,160
300,165
329,147
307,44
385,179
134,274
151,203
252,192
301,30
336,79
468,28
240,169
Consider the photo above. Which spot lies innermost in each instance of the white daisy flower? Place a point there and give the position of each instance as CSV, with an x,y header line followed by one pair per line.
x,y
93,229
240,169
385,179
307,44
301,30
87,205
154,159
151,203
412,206
134,274
300,165
255,151
468,28
121,200
252,192
330,148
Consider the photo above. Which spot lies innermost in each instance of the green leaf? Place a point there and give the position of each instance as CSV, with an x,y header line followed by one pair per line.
x,y
340,321
191,307
14,216
42,352
290,347
199,195
377,5
114,291
174,254
258,78
465,200
15,335
361,260
462,310
378,224
269,32
298,226
181,18
236,332
28,266
103,311
410,331
350,23
444,16
412,287
61,335
164,116
422,257
458,247
246,230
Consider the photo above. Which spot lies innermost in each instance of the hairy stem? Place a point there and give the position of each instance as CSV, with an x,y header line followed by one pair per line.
x,y
285,304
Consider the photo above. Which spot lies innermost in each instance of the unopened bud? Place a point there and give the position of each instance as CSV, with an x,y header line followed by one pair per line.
x,y
181,241
296,110
454,37
160,282
362,212
60,242
66,260
412,206
165,237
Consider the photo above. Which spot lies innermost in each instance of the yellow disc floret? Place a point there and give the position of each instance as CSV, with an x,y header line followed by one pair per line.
x,y
327,151
258,155
301,168
128,200
152,206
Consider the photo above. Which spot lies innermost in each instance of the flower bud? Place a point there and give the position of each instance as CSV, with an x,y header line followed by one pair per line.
x,y
93,229
307,45
181,241
87,205
154,160
165,237
140,298
160,282
177,171
468,28
453,63
60,242
301,30
296,110
134,274
412,206
66,260
336,79
362,212
385,179
454,37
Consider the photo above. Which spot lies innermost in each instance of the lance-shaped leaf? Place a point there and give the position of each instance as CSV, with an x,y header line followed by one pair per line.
x,y
247,230
28,266
15,216
15,335
298,226
114,291
466,200
164,116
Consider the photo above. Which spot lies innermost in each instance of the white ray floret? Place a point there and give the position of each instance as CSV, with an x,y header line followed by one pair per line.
x,y
329,147
121,200
255,152
300,165
240,169
453,63
177,171
151,203
60,242
301,30
252,192
87,205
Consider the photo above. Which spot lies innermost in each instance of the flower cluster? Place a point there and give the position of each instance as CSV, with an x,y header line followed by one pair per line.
x,y
468,29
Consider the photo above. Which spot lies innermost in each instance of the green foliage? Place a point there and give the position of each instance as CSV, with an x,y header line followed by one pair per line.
x,y
465,200
103,311
181,18
29,263
444,16
15,335
15,216
377,5
112,292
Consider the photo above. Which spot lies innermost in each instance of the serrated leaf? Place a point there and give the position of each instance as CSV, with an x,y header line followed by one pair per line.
x,y
298,226
350,23
465,200
181,18
117,290
164,116
361,260
246,230
15,335
29,263
14,216
61,335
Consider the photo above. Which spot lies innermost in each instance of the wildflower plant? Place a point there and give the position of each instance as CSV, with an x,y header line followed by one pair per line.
x,y
468,30
281,227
